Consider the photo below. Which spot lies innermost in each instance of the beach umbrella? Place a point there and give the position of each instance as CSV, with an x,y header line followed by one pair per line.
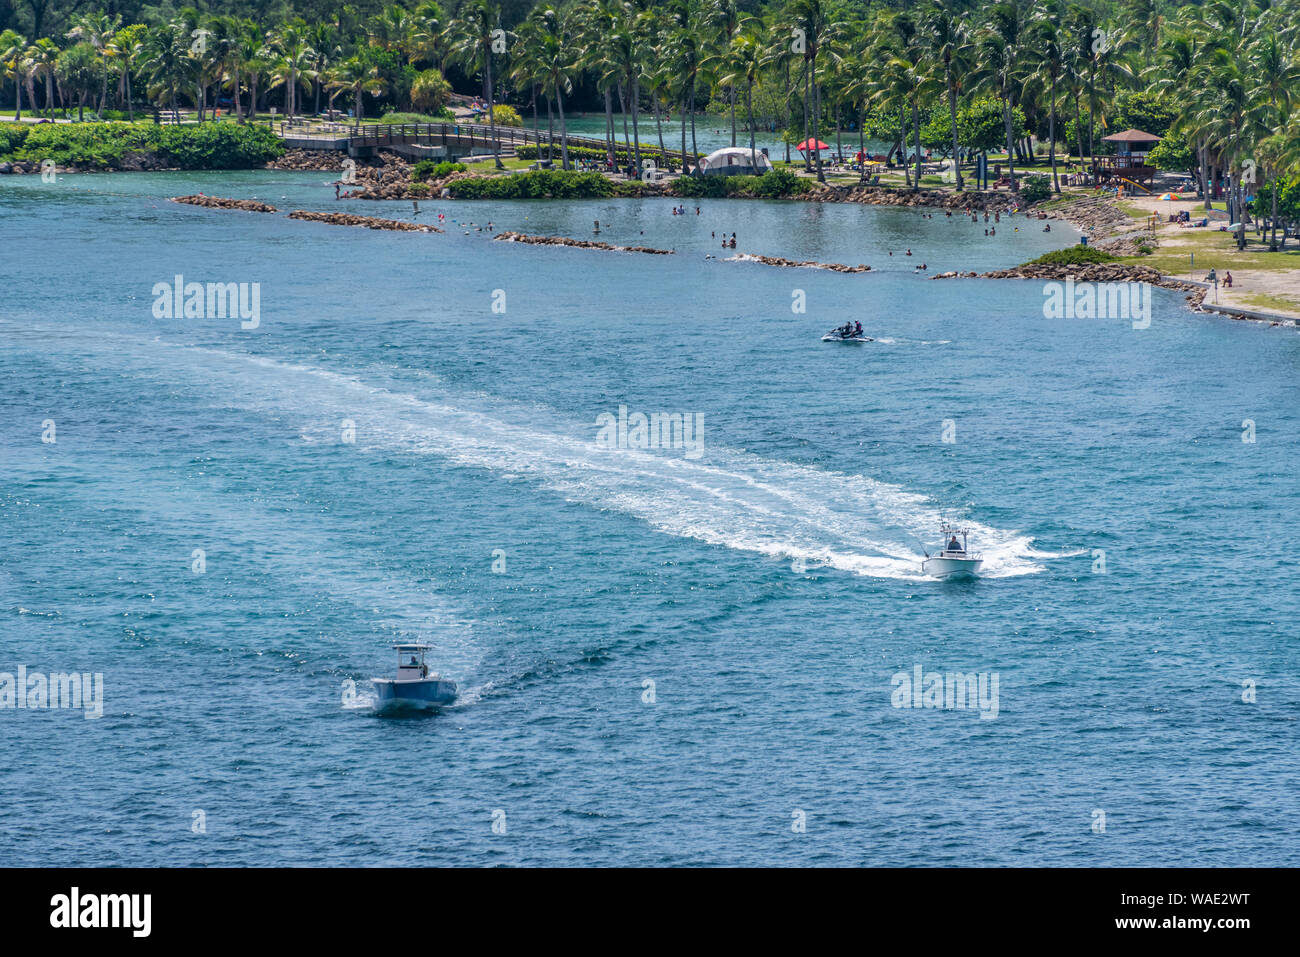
x,y
810,144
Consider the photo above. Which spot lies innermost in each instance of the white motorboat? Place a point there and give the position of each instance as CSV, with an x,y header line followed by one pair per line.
x,y
954,559
415,688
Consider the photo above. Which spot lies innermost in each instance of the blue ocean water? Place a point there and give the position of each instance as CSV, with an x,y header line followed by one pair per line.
x,y
769,589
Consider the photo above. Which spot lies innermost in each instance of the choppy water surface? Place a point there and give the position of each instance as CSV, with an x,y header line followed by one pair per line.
x,y
768,587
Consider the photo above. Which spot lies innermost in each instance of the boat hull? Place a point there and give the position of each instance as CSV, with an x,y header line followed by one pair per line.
x,y
952,567
413,695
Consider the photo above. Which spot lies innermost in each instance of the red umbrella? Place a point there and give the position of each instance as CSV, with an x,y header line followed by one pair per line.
x,y
809,145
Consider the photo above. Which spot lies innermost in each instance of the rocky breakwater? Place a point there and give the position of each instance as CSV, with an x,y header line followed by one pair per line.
x,y
1098,216
1092,273
220,202
968,201
795,263
329,161
512,237
369,222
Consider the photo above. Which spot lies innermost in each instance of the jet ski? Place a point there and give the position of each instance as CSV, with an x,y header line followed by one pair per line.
x,y
838,335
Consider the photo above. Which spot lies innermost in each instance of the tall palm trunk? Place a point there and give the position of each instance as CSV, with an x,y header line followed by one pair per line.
x,y
916,128
1206,190
821,176
807,154
695,150
610,141
492,113
685,169
564,132
749,111
1011,152
1051,136
622,105
659,125
952,113
732,91
636,133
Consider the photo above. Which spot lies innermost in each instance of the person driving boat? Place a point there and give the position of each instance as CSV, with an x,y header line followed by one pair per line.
x,y
954,545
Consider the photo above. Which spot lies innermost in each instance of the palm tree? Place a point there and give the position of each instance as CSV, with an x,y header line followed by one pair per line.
x,y
357,75
684,52
1277,73
1051,57
728,19
811,19
1000,49
946,40
97,29
45,54
744,60
18,65
293,61
557,65
80,69
475,33
166,61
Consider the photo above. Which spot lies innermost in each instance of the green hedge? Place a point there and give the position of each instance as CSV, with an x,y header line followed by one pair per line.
x,y
11,137
531,152
1074,256
103,145
774,184
542,184
433,169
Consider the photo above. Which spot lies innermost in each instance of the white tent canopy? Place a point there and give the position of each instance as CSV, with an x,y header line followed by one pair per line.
x,y
734,159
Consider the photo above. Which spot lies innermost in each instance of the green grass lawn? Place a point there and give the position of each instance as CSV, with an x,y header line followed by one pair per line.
x,y
1214,250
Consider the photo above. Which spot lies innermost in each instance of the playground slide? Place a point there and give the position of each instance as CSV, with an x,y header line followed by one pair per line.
x,y
1135,185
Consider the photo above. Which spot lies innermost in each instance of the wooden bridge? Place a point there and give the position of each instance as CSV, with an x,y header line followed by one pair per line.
x,y
451,140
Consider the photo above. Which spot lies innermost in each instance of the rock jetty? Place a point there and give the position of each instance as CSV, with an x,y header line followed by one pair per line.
x,y
969,200
369,222
1094,272
512,237
220,202
795,263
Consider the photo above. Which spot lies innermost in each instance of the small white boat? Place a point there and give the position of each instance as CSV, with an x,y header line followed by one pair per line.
x,y
954,559
415,688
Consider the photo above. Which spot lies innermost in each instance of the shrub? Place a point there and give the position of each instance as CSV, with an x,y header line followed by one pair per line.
x,y
433,169
11,137
1035,189
430,91
1074,256
103,145
442,116
506,115
774,184
536,184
